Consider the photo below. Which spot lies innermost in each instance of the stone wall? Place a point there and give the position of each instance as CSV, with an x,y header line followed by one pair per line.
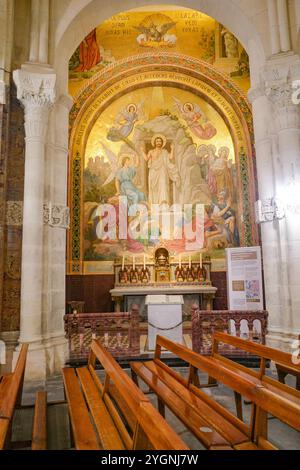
x,y
11,197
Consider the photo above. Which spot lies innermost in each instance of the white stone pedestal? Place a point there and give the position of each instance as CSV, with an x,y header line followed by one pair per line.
x,y
164,318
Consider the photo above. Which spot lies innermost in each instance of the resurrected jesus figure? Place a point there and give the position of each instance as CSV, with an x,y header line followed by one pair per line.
x,y
161,170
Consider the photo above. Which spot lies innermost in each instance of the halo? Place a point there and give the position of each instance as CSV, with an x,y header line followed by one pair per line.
x,y
161,136
225,149
190,104
125,155
131,105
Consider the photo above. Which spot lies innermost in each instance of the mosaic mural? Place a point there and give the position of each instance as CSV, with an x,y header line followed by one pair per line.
x,y
159,117
160,145
178,30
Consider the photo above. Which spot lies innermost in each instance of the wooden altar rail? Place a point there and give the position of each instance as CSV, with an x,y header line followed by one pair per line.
x,y
206,323
117,331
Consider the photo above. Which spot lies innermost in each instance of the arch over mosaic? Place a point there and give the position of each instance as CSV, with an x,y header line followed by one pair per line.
x,y
207,123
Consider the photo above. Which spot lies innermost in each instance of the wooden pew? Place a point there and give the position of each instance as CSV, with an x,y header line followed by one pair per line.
x,y
283,370
113,414
11,386
39,432
190,404
259,377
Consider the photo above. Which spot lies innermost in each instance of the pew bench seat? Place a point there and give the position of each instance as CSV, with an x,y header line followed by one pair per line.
x,y
85,402
39,431
188,402
113,414
212,424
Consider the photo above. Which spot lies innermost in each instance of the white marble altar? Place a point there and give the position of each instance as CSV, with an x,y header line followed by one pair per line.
x,y
121,294
164,318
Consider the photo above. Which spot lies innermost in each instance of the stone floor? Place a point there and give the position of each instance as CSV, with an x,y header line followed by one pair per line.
x,y
58,422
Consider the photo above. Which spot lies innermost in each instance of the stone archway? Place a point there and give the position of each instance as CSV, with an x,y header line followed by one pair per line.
x,y
82,16
273,68
43,303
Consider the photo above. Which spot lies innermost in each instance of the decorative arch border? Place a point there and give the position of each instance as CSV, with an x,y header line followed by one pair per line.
x,y
101,84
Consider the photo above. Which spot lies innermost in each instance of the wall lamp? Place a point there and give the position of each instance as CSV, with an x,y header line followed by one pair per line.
x,y
268,210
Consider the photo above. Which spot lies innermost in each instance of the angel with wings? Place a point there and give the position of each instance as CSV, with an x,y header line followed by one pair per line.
x,y
154,32
125,121
196,120
123,171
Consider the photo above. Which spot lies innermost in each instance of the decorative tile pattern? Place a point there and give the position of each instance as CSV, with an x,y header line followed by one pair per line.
x,y
14,213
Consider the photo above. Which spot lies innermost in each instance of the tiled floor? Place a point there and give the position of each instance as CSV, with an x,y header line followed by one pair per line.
x,y
281,435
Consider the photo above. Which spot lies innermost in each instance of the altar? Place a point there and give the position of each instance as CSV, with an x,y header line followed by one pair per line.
x,y
164,318
163,275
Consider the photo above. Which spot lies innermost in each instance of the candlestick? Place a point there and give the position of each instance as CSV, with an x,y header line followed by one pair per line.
x,y
123,262
201,260
144,261
190,261
180,261
133,262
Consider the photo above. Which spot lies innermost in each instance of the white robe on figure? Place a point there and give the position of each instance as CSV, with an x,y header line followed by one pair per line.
x,y
161,172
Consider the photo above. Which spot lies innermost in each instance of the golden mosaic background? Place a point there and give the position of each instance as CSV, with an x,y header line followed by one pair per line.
x,y
187,32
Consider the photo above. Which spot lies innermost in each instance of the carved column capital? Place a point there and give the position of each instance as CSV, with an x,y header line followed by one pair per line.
x,y
35,88
279,78
287,113
280,94
36,91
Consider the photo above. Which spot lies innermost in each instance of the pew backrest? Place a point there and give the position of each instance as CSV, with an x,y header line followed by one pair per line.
x,y
120,394
264,352
229,374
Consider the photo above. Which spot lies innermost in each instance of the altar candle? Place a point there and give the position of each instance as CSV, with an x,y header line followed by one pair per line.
x,y
180,261
201,260
133,262
190,261
123,263
144,261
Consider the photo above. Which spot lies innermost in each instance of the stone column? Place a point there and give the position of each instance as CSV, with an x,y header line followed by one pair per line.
x,y
265,159
34,31
55,231
39,32
287,121
274,26
284,27
35,89
44,31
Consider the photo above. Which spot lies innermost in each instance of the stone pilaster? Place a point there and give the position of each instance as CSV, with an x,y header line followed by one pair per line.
x,y
287,121
277,123
265,162
36,91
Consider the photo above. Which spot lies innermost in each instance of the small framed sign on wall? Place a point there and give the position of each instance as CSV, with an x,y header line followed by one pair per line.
x,y
244,278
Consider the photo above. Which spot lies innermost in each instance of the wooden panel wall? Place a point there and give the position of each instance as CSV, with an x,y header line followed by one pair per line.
x,y
94,290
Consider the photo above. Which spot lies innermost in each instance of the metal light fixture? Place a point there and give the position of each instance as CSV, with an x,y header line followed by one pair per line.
x,y
268,210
